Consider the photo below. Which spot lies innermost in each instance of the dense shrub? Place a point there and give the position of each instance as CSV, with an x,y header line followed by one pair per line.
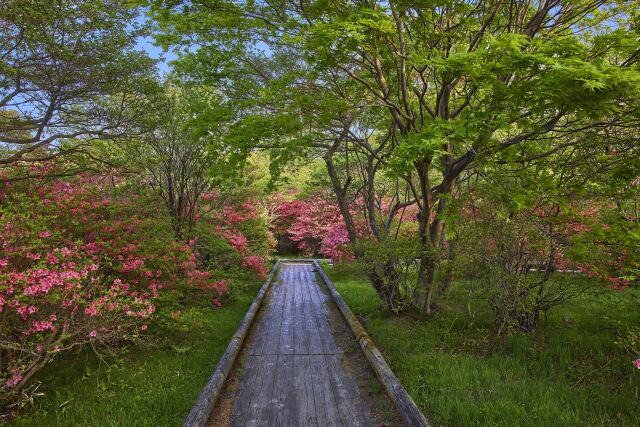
x,y
605,242
510,259
86,260
233,238
391,266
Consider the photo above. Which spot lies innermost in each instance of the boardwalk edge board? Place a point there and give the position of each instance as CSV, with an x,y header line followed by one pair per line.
x,y
396,392
201,411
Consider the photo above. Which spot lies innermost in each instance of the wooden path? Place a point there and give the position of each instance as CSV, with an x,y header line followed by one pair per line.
x,y
293,375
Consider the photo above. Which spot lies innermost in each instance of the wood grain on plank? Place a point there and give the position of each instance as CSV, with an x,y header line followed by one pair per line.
x,y
293,376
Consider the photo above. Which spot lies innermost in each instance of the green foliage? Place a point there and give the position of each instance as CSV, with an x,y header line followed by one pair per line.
x,y
69,75
458,91
394,264
610,246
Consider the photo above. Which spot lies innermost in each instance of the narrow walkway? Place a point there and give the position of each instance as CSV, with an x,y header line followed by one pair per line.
x,y
293,375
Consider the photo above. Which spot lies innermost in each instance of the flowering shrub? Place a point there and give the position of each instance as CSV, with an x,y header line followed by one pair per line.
x,y
630,342
233,238
315,225
82,261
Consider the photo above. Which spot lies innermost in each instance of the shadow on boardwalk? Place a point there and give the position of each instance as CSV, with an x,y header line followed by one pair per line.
x,y
300,366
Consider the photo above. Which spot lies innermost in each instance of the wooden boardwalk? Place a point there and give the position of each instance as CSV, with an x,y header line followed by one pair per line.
x,y
293,375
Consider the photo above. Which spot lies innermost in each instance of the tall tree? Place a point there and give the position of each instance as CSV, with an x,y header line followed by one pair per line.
x,y
69,73
179,152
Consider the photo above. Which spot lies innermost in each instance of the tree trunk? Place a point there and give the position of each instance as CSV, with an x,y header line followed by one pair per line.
x,y
340,193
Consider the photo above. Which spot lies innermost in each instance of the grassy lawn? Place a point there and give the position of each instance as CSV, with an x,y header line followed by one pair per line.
x,y
155,385
569,373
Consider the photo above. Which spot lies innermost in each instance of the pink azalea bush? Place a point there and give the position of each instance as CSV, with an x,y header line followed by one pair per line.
x,y
315,225
630,343
233,238
87,261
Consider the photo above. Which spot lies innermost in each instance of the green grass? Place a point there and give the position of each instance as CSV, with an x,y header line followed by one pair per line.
x,y
155,385
569,372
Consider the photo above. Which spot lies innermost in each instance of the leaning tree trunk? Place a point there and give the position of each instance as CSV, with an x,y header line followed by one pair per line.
x,y
388,294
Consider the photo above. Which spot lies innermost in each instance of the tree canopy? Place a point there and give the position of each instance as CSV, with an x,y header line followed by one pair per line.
x,y
431,92
69,74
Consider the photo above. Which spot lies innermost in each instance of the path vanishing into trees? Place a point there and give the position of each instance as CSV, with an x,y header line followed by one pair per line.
x,y
294,372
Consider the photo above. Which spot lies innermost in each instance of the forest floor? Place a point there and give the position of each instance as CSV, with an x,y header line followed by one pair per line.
x,y
570,372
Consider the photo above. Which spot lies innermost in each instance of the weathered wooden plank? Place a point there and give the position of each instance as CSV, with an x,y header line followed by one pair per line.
x,y
300,340
304,410
282,410
324,399
286,328
264,325
313,343
248,389
271,333
321,314
404,403
350,406
258,413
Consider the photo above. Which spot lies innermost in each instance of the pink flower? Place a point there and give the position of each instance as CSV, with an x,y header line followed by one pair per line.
x,y
143,327
15,379
637,363
39,326
132,264
26,310
256,263
93,334
3,262
45,234
216,302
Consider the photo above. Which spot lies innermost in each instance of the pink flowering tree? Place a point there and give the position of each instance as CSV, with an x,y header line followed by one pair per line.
x,y
317,226
283,212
